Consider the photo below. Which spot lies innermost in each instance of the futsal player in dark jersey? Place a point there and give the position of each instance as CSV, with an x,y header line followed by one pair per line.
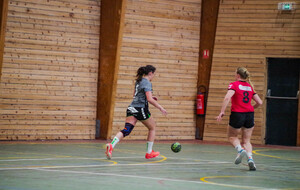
x,y
138,110
241,120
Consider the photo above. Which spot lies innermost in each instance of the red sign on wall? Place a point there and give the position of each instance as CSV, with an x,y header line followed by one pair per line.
x,y
205,54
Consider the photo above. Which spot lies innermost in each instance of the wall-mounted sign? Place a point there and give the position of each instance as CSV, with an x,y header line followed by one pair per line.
x,y
286,6
205,54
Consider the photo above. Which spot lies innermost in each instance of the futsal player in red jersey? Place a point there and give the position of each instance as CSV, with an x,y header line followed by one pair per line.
x,y
241,119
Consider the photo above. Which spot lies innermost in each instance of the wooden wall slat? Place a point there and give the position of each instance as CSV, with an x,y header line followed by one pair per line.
x,y
3,21
49,83
165,34
248,32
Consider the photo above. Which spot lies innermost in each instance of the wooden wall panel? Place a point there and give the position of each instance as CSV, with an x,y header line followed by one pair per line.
x,y
248,31
48,88
163,33
111,33
3,16
209,20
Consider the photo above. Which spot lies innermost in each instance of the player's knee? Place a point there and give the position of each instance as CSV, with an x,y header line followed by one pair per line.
x,y
127,129
151,128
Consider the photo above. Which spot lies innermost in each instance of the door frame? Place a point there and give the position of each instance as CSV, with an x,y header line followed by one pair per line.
x,y
265,110
298,127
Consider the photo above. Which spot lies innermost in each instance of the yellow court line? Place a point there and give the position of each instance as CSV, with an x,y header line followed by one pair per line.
x,y
113,164
34,167
41,155
153,162
36,157
236,186
61,156
226,185
105,160
50,142
137,152
266,155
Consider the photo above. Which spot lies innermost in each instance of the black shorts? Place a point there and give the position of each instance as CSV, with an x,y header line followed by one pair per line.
x,y
238,120
138,113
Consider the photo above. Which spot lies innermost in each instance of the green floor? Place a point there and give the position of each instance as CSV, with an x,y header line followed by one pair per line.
x,y
42,166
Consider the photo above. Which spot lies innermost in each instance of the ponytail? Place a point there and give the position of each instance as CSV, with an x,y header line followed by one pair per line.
x,y
251,84
144,71
140,73
245,74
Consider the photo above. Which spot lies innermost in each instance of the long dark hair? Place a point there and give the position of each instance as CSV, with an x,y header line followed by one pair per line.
x,y
144,71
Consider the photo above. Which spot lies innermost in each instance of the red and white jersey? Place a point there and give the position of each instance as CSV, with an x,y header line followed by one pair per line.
x,y
241,100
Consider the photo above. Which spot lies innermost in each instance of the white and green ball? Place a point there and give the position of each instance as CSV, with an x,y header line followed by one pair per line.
x,y
176,147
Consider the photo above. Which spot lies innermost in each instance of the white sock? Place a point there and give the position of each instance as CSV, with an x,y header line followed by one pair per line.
x,y
249,155
238,148
149,147
115,141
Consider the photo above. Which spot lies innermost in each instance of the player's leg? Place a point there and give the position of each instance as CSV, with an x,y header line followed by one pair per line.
x,y
246,138
235,123
151,125
233,136
247,132
129,125
234,140
246,135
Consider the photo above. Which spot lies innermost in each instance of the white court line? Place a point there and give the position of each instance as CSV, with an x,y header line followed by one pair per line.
x,y
70,158
49,167
105,165
52,168
151,178
104,158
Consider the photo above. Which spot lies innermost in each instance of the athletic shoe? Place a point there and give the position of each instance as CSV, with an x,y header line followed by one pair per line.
x,y
108,151
251,165
240,156
151,155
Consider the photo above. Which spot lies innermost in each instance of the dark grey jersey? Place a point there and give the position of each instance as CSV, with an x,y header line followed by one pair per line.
x,y
140,99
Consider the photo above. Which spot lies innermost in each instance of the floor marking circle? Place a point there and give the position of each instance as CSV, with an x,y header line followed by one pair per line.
x,y
271,156
229,185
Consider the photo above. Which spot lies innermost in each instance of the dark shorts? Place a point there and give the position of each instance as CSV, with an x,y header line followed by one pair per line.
x,y
138,113
238,120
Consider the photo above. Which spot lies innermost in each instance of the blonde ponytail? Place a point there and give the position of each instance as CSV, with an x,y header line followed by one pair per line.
x,y
245,74
251,84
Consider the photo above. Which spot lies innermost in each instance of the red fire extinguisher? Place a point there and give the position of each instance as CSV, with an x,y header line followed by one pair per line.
x,y
200,102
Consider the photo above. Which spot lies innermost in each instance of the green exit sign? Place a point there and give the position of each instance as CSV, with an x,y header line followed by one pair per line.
x,y
286,6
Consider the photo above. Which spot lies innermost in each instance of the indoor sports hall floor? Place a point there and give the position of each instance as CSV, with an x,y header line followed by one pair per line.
x,y
83,165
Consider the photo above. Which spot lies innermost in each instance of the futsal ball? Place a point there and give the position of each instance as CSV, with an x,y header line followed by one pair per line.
x,y
176,147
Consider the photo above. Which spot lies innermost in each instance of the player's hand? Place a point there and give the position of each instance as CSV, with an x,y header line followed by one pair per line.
x,y
163,111
219,117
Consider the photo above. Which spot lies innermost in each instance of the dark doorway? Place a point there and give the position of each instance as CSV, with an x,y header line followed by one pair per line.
x,y
282,101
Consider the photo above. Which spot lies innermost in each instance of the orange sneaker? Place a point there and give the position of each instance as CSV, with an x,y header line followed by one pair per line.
x,y
151,155
108,151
